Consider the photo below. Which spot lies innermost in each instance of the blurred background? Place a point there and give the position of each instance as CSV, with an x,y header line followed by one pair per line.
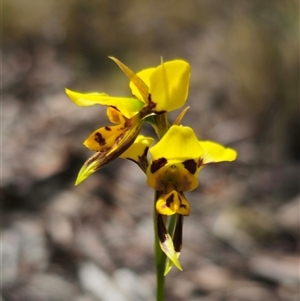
x,y
94,242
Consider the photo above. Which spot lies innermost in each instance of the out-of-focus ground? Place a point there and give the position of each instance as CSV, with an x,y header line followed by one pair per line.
x,y
94,242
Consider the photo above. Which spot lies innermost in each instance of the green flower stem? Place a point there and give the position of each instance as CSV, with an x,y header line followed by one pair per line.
x,y
161,126
160,259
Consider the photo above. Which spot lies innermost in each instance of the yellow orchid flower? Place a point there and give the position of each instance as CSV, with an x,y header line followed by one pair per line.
x,y
176,161
155,91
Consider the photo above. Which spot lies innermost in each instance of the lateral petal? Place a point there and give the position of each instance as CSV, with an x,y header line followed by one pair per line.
x,y
105,137
214,152
113,148
129,107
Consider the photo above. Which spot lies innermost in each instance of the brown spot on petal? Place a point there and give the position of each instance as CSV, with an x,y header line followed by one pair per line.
x,y
107,128
158,164
128,123
145,152
170,200
99,139
115,108
190,165
180,200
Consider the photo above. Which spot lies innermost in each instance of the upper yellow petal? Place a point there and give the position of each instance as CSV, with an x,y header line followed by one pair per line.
x,y
179,144
129,107
215,152
169,85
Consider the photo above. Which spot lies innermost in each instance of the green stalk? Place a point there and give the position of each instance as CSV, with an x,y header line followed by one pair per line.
x,y
161,126
160,259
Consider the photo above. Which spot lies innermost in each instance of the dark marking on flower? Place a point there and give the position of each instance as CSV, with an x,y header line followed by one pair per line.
x,y
159,112
144,155
161,228
200,162
115,108
190,165
130,159
128,123
180,200
151,105
170,200
119,138
96,157
102,158
177,237
158,164
99,139
149,108
107,128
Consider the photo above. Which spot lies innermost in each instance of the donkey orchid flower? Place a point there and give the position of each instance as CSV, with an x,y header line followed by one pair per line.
x,y
155,91
176,161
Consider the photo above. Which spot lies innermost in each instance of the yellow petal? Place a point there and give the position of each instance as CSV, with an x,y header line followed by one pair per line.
x,y
179,144
163,208
105,138
184,208
214,152
113,148
169,85
129,107
144,76
138,149
135,79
